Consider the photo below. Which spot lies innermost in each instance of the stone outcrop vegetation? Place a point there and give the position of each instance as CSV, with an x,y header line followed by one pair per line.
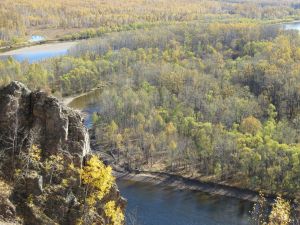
x,y
44,149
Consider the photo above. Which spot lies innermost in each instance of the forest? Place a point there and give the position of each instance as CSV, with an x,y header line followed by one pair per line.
x,y
219,101
76,19
210,92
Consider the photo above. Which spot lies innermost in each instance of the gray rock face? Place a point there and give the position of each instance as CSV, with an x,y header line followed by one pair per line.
x,y
34,118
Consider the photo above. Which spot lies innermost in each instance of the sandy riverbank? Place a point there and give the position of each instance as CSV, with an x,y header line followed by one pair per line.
x,y
181,183
68,99
41,48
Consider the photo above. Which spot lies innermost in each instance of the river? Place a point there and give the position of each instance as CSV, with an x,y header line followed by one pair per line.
x,y
156,205
39,52
292,26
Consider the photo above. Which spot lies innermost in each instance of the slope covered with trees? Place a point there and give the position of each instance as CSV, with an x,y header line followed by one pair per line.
x,y
74,19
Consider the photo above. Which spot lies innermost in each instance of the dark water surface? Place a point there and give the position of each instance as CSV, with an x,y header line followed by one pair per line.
x,y
156,205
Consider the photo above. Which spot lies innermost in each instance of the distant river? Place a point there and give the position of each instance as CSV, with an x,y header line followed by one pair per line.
x,y
156,205
44,51
39,52
292,26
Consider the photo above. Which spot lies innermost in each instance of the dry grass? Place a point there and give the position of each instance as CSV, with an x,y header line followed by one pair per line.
x,y
5,189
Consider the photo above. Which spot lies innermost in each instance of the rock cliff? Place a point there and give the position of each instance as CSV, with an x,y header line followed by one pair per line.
x,y
35,117
39,140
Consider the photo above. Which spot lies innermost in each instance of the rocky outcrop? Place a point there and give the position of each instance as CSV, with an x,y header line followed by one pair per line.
x,y
34,129
34,117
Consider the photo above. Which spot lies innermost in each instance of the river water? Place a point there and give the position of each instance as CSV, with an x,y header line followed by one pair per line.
x,y
39,52
157,205
44,51
292,26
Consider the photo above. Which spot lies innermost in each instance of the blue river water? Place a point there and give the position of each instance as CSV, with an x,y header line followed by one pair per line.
x,y
150,204
292,26
36,38
38,56
39,52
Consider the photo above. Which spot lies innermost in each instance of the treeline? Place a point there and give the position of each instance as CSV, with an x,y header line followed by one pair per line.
x,y
22,17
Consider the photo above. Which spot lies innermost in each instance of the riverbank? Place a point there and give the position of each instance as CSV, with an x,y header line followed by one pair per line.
x,y
182,183
55,46
166,179
68,99
178,182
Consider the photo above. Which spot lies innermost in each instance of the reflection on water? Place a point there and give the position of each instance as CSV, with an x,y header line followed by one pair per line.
x,y
36,38
292,26
156,205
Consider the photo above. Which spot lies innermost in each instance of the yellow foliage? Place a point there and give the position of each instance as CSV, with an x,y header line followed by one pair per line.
x,y
280,214
35,153
54,161
98,177
30,200
172,145
114,213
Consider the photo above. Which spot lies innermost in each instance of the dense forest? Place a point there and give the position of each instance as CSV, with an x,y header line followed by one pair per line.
x,y
211,91
76,19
